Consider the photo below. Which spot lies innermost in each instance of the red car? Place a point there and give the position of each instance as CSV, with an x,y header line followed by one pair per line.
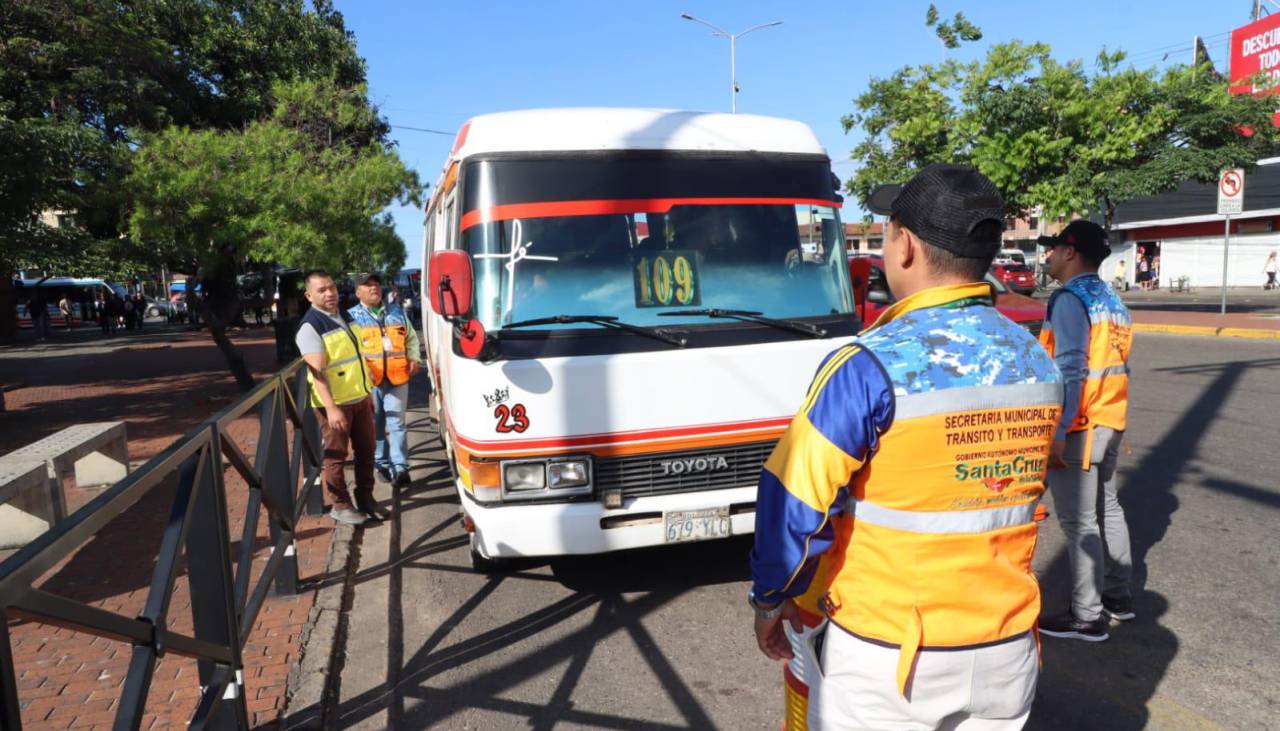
x,y
871,295
1015,276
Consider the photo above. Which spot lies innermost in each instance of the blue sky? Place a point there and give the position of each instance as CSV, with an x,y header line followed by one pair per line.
x,y
434,64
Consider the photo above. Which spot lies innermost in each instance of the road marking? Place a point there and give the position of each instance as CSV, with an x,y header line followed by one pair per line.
x,y
1169,715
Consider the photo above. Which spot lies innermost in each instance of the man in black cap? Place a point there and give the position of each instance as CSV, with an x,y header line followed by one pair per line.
x,y
904,491
1089,333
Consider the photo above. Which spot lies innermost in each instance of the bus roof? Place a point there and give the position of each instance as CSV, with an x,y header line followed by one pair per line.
x,y
594,129
61,281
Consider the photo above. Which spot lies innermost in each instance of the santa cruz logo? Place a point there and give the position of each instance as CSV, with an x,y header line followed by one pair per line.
x,y
1000,474
692,465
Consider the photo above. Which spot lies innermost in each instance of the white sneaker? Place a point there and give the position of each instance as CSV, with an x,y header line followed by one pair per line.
x,y
349,516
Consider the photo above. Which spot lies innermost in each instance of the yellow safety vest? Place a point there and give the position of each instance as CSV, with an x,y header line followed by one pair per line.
x,y
344,370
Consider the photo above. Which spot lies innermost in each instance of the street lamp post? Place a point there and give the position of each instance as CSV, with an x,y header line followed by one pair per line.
x,y
733,52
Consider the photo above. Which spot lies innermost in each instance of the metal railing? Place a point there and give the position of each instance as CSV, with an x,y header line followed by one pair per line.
x,y
223,605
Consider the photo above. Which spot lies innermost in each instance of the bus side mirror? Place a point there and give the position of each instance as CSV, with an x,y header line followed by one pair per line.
x,y
860,277
451,282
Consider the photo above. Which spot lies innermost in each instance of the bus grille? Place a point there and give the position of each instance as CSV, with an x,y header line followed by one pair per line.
x,y
645,475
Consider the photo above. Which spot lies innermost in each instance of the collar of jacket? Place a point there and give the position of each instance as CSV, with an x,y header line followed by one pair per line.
x,y
936,297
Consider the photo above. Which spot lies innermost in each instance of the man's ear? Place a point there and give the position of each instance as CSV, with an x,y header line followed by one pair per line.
x,y
909,252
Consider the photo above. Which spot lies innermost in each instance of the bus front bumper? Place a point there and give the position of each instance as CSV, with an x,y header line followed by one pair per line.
x,y
560,529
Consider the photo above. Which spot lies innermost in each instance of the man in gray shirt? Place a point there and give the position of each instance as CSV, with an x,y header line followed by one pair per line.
x,y
1089,333
340,390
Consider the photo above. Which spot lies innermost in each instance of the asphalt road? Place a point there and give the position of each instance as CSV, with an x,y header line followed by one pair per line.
x,y
661,639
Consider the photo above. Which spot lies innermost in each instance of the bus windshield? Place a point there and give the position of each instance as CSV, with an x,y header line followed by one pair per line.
x,y
636,258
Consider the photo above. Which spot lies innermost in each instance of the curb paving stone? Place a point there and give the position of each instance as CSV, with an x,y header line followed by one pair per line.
x,y
1202,331
304,697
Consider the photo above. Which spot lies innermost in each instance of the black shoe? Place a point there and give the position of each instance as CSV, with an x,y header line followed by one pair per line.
x,y
401,478
384,473
370,508
1118,608
1068,627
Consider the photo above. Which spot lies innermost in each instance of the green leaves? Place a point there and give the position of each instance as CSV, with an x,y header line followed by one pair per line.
x,y
304,187
1053,136
953,32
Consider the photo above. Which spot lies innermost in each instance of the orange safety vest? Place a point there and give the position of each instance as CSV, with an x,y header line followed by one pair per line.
x,y
933,550
1104,398
382,343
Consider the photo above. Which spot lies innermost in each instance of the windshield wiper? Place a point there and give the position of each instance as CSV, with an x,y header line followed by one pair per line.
x,y
804,328
603,321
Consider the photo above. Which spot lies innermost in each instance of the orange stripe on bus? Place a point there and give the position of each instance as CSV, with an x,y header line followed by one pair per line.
x,y
625,205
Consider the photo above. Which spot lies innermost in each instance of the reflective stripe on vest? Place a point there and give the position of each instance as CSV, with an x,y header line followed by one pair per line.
x,y
953,521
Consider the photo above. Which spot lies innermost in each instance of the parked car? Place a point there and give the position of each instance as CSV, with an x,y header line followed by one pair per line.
x,y
159,308
872,295
1017,256
1017,277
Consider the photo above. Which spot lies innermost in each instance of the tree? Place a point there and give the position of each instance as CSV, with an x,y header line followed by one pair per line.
x,y
951,32
81,81
1055,136
306,186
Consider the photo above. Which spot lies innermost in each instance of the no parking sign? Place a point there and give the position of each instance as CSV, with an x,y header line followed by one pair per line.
x,y
1231,192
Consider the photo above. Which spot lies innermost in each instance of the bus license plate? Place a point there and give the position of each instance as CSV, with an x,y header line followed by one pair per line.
x,y
696,525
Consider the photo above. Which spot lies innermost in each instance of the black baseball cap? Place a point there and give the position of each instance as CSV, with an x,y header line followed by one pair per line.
x,y
943,204
1086,237
366,277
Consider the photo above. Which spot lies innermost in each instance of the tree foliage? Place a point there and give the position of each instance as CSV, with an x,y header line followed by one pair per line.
x,y
952,32
305,186
1054,136
83,81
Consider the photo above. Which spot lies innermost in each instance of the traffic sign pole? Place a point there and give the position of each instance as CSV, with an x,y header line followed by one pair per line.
x,y
1226,241
1230,200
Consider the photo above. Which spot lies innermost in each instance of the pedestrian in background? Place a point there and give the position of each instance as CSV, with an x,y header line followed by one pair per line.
x,y
340,392
139,309
101,310
889,468
64,307
393,356
1088,331
1119,280
38,309
1270,268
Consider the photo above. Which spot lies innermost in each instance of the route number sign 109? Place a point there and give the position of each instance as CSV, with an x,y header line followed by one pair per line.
x,y
666,278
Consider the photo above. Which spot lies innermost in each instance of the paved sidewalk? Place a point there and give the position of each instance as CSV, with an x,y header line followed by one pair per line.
x,y
161,383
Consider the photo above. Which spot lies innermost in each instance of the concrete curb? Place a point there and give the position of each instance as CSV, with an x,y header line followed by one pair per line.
x,y
1204,331
307,682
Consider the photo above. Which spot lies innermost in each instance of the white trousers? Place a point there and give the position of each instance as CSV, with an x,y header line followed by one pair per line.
x,y
984,689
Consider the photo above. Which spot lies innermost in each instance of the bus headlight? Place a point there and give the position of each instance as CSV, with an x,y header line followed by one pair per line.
x,y
524,476
534,479
568,474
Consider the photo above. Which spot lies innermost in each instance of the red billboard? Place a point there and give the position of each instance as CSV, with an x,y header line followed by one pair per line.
x,y
1255,49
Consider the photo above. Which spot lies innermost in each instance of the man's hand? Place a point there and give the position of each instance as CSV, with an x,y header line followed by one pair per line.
x,y
337,420
414,368
770,635
1058,455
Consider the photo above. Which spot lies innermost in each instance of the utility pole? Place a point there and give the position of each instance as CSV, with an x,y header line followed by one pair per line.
x,y
1257,10
733,53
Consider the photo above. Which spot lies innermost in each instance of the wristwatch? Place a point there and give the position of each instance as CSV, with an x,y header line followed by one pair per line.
x,y
763,611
